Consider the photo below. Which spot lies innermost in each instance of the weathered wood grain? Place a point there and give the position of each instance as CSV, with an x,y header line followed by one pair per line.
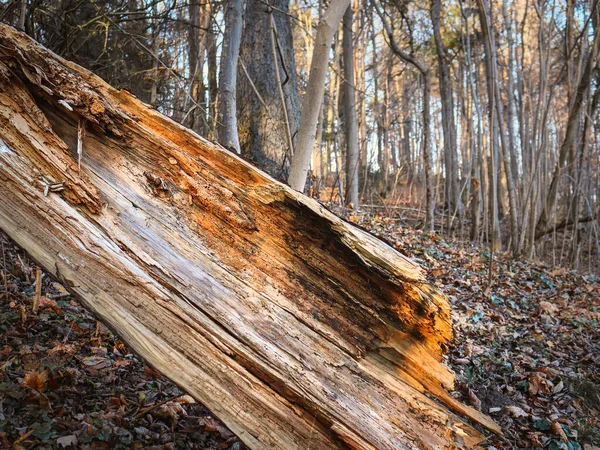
x,y
295,328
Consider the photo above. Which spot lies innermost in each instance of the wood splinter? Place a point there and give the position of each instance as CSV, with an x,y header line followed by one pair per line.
x,y
51,186
80,136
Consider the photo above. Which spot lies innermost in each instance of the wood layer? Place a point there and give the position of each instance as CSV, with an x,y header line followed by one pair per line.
x,y
295,328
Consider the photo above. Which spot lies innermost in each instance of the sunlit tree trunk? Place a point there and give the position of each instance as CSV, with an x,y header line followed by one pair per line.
x,y
313,98
227,128
350,125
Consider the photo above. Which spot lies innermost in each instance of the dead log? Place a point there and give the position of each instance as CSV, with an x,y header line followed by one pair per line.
x,y
295,328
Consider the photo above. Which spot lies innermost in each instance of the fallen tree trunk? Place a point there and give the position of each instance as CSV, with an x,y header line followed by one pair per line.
x,y
295,328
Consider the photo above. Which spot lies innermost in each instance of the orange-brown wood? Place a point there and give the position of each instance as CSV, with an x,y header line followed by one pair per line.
x,y
296,328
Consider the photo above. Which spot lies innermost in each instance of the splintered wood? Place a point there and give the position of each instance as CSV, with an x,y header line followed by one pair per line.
x,y
295,328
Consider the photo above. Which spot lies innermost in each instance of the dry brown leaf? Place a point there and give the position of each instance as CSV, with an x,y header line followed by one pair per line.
x,y
538,384
548,309
471,397
60,288
149,372
66,441
59,347
186,399
96,362
437,273
214,426
36,380
557,429
171,409
49,304
535,439
515,411
122,363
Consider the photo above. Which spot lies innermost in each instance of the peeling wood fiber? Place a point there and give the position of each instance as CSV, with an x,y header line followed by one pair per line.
x,y
295,328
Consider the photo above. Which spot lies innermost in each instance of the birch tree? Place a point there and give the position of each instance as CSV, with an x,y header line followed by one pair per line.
x,y
313,97
227,127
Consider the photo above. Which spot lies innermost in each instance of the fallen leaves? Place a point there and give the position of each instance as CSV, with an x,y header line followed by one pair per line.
x,y
67,382
66,441
471,397
538,384
557,429
528,349
547,308
515,411
36,380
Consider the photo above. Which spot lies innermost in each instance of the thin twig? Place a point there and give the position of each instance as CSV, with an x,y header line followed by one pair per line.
x,y
156,405
260,99
38,290
4,273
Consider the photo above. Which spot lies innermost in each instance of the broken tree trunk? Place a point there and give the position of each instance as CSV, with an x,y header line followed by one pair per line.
x,y
295,328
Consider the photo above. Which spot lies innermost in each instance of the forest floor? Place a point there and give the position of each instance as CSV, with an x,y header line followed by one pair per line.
x,y
527,352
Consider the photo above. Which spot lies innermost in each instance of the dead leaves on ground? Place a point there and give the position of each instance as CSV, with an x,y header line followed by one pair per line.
x,y
67,382
527,352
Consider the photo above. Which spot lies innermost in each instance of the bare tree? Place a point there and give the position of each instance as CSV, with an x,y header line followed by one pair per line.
x,y
262,128
570,136
314,92
350,111
227,127
448,123
424,71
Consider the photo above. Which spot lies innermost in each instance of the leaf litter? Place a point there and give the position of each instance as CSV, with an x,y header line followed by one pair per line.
x,y
526,352
67,382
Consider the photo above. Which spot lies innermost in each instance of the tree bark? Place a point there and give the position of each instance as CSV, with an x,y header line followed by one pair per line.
x,y
497,118
350,125
448,124
227,128
262,131
294,327
313,97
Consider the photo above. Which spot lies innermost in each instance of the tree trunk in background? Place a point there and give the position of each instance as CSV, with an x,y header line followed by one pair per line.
x,y
311,104
511,118
448,124
497,120
570,135
378,115
213,86
350,126
155,63
294,327
195,106
262,130
407,130
426,146
227,127
23,15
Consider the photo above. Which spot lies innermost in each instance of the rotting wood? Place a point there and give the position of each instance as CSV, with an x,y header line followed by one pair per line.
x,y
295,328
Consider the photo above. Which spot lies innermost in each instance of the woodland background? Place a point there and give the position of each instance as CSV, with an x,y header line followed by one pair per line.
x,y
474,118
474,127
